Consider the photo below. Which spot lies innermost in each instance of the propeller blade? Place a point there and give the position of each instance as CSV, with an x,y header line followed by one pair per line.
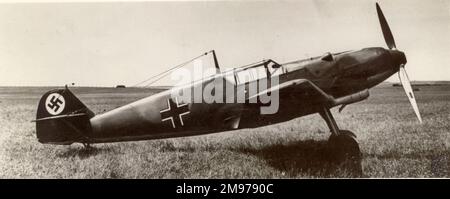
x,y
386,30
408,90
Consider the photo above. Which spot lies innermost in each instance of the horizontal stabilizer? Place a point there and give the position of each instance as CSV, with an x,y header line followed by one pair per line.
x,y
60,117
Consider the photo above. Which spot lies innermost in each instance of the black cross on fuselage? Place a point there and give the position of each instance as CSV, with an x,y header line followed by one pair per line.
x,y
54,103
174,112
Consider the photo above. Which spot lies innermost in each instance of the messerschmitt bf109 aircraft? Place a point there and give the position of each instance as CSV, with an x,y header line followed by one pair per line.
x,y
304,87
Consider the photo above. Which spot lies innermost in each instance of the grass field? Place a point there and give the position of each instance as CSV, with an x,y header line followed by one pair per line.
x,y
392,142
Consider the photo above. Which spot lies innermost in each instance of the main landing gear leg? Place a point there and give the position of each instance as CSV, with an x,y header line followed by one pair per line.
x,y
331,123
343,148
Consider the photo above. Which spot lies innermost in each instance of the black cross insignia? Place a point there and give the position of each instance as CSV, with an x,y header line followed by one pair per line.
x,y
174,112
55,103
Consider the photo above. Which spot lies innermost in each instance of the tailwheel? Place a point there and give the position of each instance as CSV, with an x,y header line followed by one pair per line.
x,y
344,152
87,145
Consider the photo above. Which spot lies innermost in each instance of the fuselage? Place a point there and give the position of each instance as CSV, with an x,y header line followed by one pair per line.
x,y
340,75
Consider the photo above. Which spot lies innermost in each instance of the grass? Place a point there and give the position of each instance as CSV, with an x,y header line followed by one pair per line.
x,y
392,142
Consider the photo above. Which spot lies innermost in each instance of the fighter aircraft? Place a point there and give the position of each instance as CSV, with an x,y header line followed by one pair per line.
x,y
304,87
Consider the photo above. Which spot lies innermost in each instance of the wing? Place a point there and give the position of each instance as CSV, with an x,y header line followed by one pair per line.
x,y
298,89
293,93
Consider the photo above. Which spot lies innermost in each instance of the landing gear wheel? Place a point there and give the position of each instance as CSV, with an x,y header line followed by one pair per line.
x,y
87,146
344,152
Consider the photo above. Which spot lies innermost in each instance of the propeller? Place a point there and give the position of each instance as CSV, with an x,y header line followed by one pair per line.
x,y
385,28
408,90
403,76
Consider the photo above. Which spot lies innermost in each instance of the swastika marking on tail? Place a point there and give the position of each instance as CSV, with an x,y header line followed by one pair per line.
x,y
55,103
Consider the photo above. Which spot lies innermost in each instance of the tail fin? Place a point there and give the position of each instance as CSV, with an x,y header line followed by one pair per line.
x,y
62,118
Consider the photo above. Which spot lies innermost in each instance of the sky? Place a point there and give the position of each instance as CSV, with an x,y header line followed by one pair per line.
x,y
111,43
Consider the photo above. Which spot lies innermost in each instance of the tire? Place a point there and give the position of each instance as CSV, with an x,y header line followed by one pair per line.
x,y
344,152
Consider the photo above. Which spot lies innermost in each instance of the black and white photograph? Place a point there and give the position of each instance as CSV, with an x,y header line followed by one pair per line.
x,y
225,90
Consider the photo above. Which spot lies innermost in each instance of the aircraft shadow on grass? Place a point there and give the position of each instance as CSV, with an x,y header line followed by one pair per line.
x,y
83,152
311,157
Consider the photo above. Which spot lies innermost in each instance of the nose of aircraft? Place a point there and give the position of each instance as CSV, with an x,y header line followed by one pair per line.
x,y
398,57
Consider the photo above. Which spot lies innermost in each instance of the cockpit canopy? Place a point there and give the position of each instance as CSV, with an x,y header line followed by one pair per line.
x,y
259,70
